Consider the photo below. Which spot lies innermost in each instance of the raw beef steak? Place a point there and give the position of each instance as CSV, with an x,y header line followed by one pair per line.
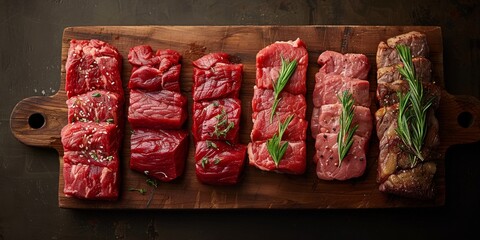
x,y
163,109
91,174
293,162
219,163
96,106
159,153
214,76
92,65
269,62
216,120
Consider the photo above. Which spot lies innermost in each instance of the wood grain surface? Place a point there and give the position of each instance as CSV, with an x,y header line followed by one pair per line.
x,y
257,189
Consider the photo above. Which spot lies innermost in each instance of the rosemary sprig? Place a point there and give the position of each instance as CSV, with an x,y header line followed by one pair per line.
x,y
140,190
286,71
346,132
413,107
275,148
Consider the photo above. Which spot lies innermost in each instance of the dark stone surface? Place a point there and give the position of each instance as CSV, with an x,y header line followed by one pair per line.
x,y
30,40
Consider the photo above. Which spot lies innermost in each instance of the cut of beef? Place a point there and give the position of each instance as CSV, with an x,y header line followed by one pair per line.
x,y
92,138
328,164
289,104
159,153
263,129
91,174
219,159
268,65
219,163
340,73
263,101
423,71
163,109
326,119
346,65
397,173
215,77
96,106
151,79
293,162
82,136
329,86
157,113
92,65
216,119
388,56
154,72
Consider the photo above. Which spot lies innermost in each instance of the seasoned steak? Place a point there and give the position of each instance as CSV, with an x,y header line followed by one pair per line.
x,y
327,160
326,119
84,136
388,56
92,174
423,71
397,173
92,65
159,153
219,163
163,109
216,119
339,73
96,106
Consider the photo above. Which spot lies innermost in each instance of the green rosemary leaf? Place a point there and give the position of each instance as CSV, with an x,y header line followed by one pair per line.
x,y
140,190
286,71
274,146
412,108
346,131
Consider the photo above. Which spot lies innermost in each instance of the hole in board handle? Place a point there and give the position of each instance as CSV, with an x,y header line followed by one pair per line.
x,y
465,119
36,120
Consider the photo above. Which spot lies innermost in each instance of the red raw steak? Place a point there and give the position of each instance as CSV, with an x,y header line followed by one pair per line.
x,y
326,119
84,136
346,65
208,115
159,153
326,157
219,163
96,106
329,86
163,109
293,162
92,65
91,174
214,76
268,65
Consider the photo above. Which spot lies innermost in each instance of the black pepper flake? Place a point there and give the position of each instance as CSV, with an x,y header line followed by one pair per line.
x,y
325,136
321,156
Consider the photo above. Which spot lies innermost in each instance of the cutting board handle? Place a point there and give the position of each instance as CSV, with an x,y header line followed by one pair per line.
x,y
35,121
460,119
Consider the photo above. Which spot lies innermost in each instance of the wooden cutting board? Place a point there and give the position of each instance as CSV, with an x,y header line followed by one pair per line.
x,y
37,121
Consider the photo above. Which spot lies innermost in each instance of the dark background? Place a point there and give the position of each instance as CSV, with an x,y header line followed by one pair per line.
x,y
30,42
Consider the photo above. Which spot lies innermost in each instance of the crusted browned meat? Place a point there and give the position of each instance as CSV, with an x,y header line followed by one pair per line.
x,y
397,173
416,182
423,70
387,56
